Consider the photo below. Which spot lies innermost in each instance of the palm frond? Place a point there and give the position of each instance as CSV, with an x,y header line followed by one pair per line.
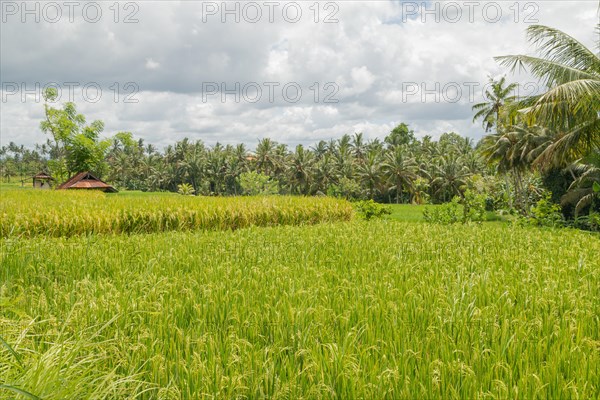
x,y
549,72
559,47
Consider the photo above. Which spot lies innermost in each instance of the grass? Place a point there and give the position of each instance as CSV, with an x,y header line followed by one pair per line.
x,y
380,309
414,213
407,212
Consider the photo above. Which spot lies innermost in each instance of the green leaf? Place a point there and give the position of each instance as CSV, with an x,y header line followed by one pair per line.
x,y
11,351
596,187
20,391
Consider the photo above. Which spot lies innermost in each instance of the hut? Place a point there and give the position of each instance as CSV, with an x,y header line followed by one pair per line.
x,y
87,181
42,180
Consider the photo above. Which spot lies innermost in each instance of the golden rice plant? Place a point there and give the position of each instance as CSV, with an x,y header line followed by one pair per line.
x,y
29,213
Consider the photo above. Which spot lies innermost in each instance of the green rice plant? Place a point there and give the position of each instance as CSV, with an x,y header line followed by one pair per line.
x,y
58,365
378,309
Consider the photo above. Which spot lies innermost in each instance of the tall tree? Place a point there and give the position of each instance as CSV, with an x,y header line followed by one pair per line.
x,y
401,135
77,146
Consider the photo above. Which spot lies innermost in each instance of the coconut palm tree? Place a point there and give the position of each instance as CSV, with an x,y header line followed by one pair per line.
x,y
358,146
514,151
505,150
320,149
450,175
322,174
400,170
265,156
369,173
299,170
571,104
497,98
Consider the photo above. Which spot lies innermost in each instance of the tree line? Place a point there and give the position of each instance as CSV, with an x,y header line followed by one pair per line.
x,y
398,169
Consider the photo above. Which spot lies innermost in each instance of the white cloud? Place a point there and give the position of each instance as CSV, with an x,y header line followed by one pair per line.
x,y
362,79
371,54
151,64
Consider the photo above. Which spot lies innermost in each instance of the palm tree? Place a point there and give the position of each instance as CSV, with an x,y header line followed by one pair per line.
x,y
497,98
322,174
265,156
400,171
504,149
320,149
450,175
343,157
369,173
358,146
572,102
300,170
514,151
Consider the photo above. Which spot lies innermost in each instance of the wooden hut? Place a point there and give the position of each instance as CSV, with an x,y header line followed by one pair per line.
x,y
42,180
87,181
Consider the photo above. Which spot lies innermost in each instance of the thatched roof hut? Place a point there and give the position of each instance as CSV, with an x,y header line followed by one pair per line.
x,y
87,181
42,180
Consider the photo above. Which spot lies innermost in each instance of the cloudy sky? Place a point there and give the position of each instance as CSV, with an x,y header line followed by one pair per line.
x,y
239,71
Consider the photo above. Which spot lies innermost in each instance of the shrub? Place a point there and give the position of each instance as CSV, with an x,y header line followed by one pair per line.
x,y
594,221
420,188
185,189
254,184
494,189
590,222
474,206
346,188
546,213
470,208
447,213
369,209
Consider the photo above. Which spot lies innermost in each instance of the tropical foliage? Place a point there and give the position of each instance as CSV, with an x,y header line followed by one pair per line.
x,y
394,171
555,134
571,105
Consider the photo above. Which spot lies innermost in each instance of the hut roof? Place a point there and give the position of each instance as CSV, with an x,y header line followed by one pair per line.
x,y
42,175
85,180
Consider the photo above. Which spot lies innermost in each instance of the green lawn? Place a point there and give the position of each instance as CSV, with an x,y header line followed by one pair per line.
x,y
407,212
414,213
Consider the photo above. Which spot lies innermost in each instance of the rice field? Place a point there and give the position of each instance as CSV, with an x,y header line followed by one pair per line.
x,y
347,310
28,213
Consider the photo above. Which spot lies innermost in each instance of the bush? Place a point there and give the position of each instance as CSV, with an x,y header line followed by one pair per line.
x,y
447,213
185,189
470,208
420,188
589,222
346,188
254,184
368,209
545,213
594,221
495,190
474,206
